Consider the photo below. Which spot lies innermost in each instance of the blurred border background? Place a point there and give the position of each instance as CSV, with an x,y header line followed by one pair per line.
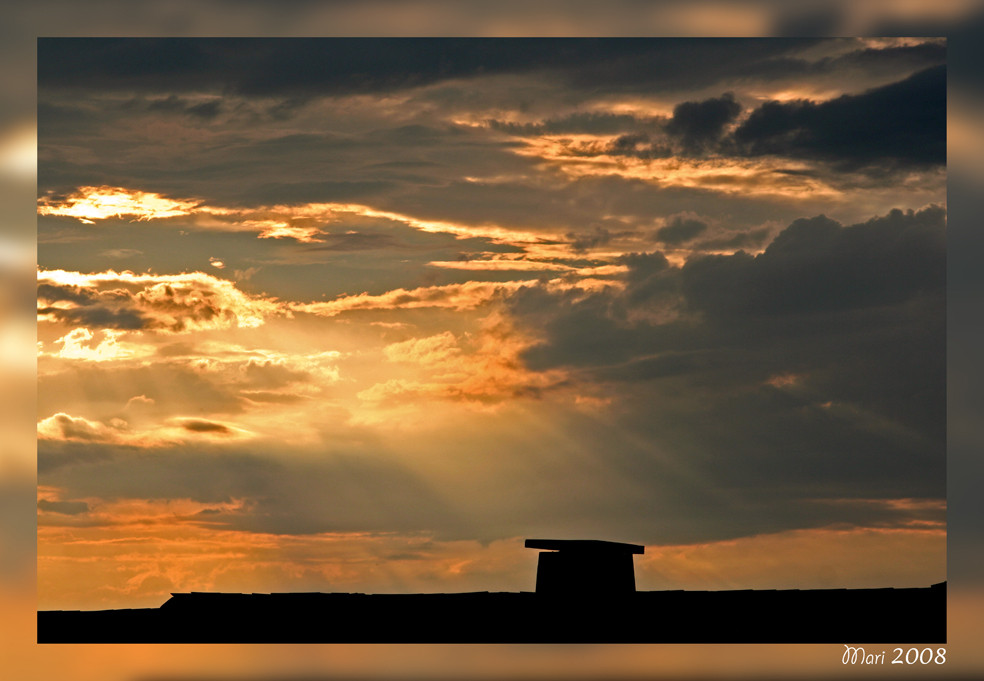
x,y
961,21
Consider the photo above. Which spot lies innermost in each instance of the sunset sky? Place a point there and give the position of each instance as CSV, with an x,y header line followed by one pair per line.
x,y
362,315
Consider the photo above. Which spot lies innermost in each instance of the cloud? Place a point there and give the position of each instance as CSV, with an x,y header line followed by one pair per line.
x,y
902,124
78,344
816,264
122,253
699,124
466,296
203,426
430,350
342,488
680,230
62,427
302,68
638,145
163,304
691,354
597,123
99,203
206,109
638,158
597,236
481,369
305,223
63,507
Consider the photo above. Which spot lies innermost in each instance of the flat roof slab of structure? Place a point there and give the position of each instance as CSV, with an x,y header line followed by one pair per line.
x,y
584,546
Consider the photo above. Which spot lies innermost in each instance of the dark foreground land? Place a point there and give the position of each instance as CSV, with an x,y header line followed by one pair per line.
x,y
754,616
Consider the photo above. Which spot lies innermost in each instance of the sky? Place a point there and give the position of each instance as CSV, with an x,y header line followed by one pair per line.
x,y
362,315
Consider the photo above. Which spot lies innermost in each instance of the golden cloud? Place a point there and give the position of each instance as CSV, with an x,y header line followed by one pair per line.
x,y
80,344
584,155
466,296
160,303
99,203
303,222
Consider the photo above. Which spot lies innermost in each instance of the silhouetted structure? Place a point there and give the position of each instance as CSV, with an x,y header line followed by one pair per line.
x,y
599,604
585,567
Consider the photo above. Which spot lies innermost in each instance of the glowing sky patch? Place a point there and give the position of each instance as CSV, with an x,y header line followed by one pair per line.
x,y
89,204
82,344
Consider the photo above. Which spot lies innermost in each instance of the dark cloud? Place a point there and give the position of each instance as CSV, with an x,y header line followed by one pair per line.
x,y
204,110
650,279
699,124
686,64
596,236
622,489
750,239
640,145
64,117
319,191
816,264
818,365
899,124
308,67
340,491
72,294
63,507
894,57
96,317
680,230
175,387
203,426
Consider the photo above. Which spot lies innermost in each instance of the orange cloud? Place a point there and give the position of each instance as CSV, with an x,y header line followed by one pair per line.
x,y
481,369
432,350
851,557
135,552
585,155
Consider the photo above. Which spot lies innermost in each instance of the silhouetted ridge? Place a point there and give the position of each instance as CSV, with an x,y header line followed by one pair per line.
x,y
585,593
